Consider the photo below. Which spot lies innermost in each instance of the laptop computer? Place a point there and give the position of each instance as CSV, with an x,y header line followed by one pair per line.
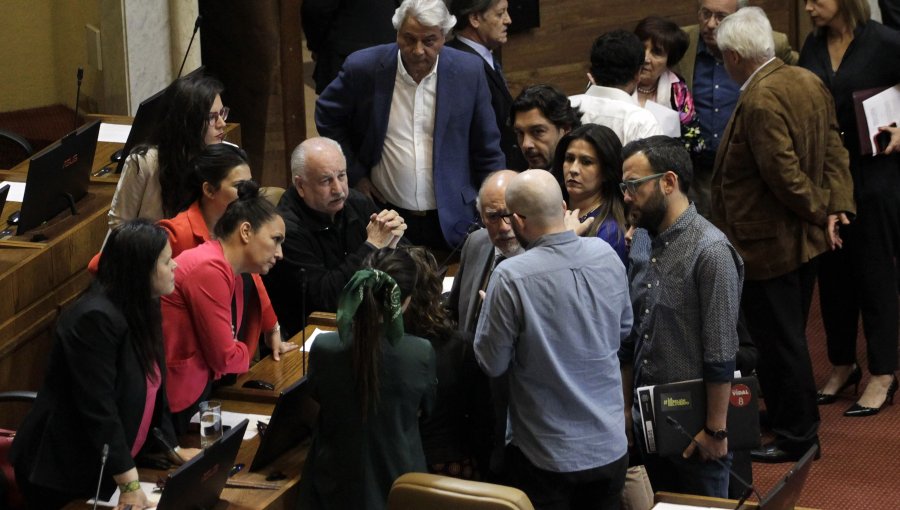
x,y
786,493
685,401
199,482
292,421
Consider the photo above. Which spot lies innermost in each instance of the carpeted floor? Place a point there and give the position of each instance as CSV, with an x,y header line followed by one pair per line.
x,y
860,463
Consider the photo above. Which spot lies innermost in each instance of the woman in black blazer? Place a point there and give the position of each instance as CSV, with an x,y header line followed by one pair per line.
x,y
105,380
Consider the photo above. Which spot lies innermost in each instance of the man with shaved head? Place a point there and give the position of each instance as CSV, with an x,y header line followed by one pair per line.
x,y
330,230
552,322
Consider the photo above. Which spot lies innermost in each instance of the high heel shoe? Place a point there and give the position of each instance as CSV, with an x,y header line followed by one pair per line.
x,y
858,411
852,380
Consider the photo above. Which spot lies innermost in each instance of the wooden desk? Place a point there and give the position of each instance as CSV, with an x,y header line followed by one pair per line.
x,y
38,279
703,501
282,373
290,463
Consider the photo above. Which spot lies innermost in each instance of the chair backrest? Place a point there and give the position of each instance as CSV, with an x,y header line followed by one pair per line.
x,y
10,497
272,193
14,149
420,490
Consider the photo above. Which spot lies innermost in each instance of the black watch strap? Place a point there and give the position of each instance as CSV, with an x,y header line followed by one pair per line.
x,y
716,434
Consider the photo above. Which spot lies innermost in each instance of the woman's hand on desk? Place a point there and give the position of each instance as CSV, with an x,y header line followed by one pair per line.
x,y
278,346
134,500
186,454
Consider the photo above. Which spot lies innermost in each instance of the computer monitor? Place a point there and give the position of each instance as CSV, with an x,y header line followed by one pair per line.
x,y
149,115
199,482
58,177
292,421
786,493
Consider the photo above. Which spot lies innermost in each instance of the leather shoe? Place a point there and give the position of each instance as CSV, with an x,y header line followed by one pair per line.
x,y
773,453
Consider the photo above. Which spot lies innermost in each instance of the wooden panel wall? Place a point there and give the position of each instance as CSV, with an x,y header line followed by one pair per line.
x,y
558,52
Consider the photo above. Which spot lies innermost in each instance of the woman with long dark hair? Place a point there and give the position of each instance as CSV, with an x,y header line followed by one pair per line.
x,y
205,329
105,380
153,184
588,162
371,381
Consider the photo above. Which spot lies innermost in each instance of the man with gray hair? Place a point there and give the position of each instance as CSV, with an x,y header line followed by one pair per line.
x,y
329,231
781,185
552,322
714,93
415,121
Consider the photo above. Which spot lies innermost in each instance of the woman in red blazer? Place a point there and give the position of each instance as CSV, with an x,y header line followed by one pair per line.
x,y
206,331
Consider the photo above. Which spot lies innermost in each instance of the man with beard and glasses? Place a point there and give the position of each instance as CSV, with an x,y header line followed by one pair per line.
x,y
552,322
329,231
685,291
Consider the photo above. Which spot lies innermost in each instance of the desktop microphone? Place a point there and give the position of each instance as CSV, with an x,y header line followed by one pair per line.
x,y
303,318
103,457
80,76
196,27
748,488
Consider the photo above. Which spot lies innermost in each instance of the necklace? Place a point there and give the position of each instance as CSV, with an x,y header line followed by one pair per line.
x,y
585,216
648,91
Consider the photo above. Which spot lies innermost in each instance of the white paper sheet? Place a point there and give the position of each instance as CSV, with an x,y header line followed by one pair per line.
x,y
311,338
147,487
448,284
882,109
673,506
668,119
230,419
16,191
115,133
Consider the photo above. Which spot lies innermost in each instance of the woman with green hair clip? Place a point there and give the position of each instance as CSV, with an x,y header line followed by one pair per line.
x,y
372,382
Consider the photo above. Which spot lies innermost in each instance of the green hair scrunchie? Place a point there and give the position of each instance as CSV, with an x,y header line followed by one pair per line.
x,y
352,296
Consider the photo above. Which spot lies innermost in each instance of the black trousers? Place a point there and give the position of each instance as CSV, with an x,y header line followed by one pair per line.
x,y
861,278
699,192
597,488
776,311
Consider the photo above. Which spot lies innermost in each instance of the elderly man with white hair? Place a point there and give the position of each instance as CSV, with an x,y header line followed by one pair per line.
x,y
329,230
416,124
781,185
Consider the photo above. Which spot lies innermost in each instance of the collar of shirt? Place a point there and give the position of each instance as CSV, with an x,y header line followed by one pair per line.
x,y
676,228
609,93
401,70
479,48
565,236
744,86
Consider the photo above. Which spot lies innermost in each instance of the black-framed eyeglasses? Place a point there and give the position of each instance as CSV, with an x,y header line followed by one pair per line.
x,y
495,217
223,113
706,14
631,186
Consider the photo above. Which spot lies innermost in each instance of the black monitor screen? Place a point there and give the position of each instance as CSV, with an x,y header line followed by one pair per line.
x,y
58,177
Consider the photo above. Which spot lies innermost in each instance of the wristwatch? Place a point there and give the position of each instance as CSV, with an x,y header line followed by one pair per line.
x,y
718,435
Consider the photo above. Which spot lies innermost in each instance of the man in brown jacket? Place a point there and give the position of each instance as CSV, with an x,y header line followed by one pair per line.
x,y
781,187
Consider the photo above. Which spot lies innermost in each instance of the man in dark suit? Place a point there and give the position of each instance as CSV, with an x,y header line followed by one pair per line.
x,y
481,30
483,250
418,131
335,29
780,187
714,93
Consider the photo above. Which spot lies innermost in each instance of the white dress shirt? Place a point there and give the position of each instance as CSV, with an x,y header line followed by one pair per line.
x,y
617,110
404,175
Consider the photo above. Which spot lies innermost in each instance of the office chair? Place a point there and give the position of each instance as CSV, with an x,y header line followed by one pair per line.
x,y
10,497
420,490
14,149
272,193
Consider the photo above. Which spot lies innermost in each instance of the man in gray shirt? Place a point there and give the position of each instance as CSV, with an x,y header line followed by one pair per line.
x,y
552,320
685,291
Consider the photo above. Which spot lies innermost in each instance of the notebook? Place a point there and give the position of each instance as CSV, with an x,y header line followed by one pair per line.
x,y
292,421
685,401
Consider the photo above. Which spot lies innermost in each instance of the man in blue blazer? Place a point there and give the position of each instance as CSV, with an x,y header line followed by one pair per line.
x,y
421,136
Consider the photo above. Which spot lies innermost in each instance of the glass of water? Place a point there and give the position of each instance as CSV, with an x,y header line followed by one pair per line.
x,y
210,422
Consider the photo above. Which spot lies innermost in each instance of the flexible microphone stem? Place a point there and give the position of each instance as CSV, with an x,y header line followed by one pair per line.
x,y
748,487
303,318
80,76
188,50
472,228
103,457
